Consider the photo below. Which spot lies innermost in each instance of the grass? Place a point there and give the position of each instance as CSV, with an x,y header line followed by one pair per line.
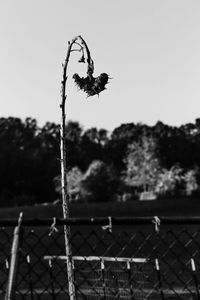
x,y
160,207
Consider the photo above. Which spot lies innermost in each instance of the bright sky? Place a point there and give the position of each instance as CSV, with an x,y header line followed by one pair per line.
x,y
151,49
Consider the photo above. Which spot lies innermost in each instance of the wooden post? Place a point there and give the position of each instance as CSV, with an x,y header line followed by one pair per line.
x,y
13,267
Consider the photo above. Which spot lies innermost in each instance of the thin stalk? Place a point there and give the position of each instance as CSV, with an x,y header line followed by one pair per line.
x,y
65,196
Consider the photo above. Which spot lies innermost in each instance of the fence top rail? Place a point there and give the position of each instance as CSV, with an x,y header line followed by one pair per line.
x,y
98,258
103,221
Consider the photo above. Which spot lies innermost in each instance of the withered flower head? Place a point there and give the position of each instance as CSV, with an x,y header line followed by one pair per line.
x,y
91,85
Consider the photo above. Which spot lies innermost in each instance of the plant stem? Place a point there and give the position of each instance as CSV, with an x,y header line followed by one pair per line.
x,y
65,198
65,195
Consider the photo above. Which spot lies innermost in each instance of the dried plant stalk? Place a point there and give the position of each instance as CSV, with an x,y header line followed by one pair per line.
x,y
92,86
65,198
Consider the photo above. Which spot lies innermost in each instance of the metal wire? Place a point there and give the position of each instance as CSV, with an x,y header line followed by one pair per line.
x,y
105,262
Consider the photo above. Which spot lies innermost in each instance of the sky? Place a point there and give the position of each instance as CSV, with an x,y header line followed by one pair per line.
x,y
149,48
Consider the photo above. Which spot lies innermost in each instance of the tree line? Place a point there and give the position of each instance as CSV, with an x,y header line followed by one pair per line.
x,y
102,166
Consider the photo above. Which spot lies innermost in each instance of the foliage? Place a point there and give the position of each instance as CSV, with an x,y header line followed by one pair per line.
x,y
73,142
168,181
28,159
190,182
74,178
99,183
162,157
176,182
142,165
92,146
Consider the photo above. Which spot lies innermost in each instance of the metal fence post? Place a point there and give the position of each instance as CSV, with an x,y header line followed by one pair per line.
x,y
128,265
103,278
28,261
157,266
52,279
194,273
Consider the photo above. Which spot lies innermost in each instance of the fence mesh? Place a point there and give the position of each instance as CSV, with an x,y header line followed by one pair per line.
x,y
128,262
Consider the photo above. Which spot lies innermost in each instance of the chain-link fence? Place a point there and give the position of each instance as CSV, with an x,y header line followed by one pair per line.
x,y
114,258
